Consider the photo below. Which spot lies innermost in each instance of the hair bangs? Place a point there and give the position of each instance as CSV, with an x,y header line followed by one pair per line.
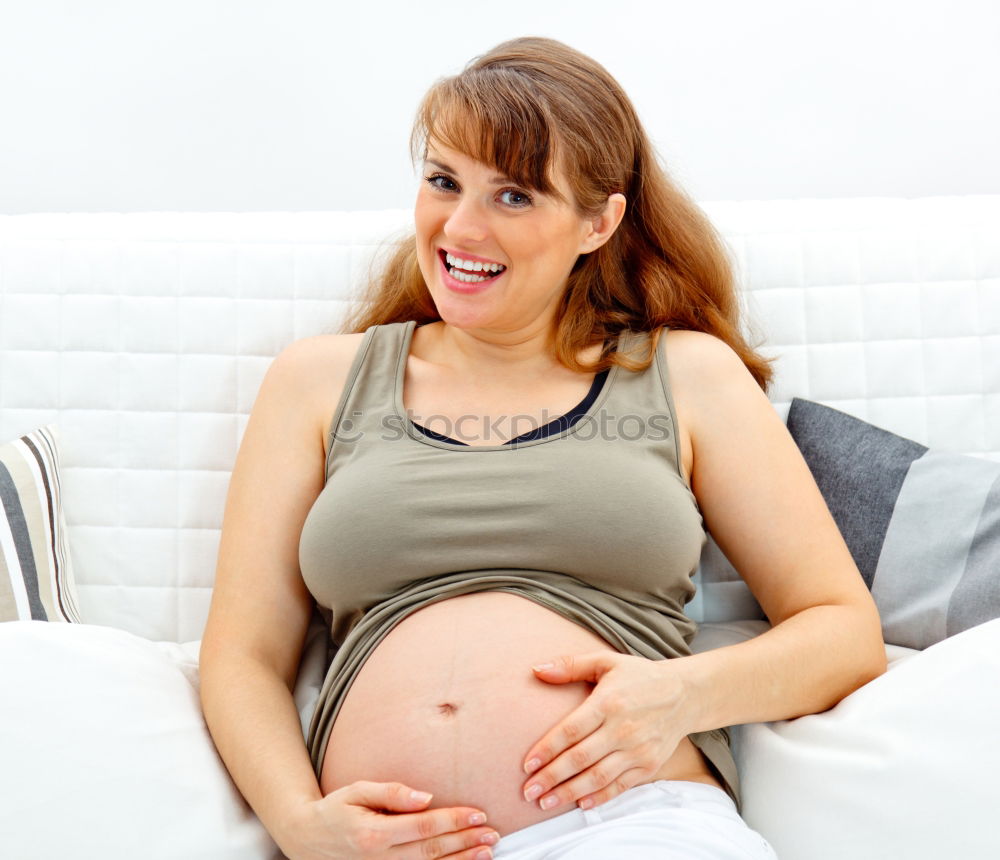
x,y
492,116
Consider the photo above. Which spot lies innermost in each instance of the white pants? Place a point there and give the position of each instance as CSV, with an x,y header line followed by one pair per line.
x,y
665,820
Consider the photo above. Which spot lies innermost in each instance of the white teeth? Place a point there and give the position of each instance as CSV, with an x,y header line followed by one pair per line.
x,y
467,278
472,266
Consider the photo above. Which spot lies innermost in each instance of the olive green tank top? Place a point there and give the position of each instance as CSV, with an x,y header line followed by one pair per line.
x,y
595,522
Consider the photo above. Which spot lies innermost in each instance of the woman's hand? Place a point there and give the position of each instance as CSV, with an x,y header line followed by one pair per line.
x,y
618,738
386,820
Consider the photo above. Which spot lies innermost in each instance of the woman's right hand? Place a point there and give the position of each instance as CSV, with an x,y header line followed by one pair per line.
x,y
386,820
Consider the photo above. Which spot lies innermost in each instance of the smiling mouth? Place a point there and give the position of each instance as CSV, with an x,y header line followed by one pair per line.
x,y
470,271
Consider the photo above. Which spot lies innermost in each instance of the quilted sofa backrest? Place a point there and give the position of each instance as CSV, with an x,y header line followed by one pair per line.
x,y
144,338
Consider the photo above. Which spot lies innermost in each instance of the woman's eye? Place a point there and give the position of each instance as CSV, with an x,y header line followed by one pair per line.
x,y
442,183
512,197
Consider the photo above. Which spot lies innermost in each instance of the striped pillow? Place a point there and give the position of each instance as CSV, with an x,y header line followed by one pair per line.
x,y
36,579
923,526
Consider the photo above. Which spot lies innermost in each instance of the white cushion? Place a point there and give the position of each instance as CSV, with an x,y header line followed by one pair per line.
x,y
906,766
105,753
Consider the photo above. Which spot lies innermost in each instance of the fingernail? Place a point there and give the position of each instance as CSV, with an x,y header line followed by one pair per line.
x,y
532,766
586,803
477,818
420,796
485,854
490,838
532,791
548,802
543,667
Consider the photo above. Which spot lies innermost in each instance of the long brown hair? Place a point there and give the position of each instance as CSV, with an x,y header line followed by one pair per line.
x,y
533,104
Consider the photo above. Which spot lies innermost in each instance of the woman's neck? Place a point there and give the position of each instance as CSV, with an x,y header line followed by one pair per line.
x,y
520,355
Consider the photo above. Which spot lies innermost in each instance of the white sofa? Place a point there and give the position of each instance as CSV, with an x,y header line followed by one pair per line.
x,y
143,338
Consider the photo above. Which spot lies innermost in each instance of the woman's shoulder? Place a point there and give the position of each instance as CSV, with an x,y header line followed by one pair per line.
x,y
319,347
309,374
710,384
700,357
310,359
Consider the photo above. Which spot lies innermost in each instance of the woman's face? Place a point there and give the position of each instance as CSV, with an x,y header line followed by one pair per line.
x,y
495,256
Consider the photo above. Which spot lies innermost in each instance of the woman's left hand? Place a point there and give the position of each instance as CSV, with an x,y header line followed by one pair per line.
x,y
618,738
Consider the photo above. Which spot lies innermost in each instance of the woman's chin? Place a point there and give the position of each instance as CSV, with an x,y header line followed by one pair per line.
x,y
462,313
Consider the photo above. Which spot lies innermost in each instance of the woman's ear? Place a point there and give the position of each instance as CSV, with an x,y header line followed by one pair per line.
x,y
604,225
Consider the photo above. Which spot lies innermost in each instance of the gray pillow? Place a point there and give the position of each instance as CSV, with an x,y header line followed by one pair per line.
x,y
923,525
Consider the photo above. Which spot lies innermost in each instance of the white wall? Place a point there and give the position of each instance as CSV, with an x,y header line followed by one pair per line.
x,y
131,105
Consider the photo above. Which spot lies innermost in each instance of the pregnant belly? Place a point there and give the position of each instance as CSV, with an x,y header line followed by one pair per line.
x,y
448,704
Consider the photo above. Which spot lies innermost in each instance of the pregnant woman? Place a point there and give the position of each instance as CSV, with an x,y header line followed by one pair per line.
x,y
496,487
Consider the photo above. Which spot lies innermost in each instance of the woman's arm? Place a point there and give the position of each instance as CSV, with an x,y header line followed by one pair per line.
x,y
260,608
257,624
764,510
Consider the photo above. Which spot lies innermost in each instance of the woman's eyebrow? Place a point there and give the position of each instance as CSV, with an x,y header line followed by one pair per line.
x,y
495,180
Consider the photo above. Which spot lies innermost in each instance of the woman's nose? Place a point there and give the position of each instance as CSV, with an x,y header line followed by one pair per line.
x,y
467,222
